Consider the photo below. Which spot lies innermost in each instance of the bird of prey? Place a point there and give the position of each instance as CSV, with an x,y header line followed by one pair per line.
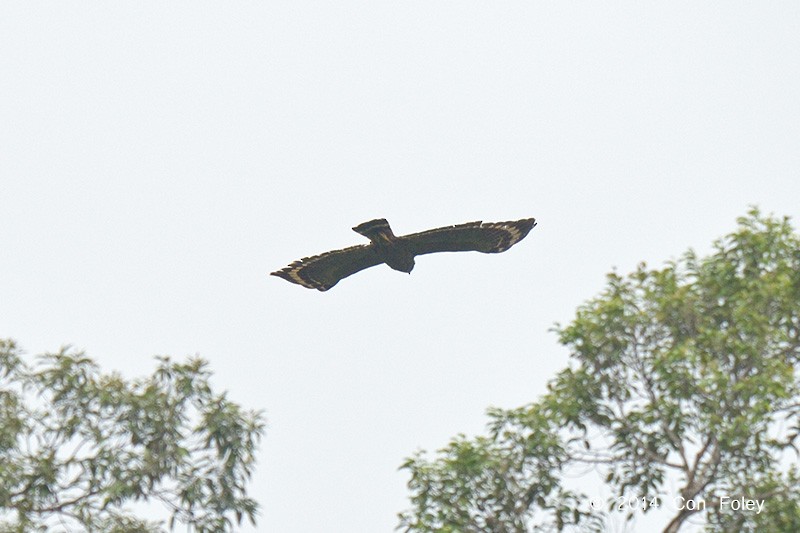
x,y
323,271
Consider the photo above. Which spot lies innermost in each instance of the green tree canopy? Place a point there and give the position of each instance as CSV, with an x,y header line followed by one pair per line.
x,y
77,447
684,376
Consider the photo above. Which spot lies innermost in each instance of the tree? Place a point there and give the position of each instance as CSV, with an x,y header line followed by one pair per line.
x,y
78,446
682,376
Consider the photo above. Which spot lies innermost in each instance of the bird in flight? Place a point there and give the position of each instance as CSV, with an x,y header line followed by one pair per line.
x,y
323,271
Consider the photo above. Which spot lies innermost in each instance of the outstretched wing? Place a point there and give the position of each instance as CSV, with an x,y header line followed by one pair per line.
x,y
486,237
323,271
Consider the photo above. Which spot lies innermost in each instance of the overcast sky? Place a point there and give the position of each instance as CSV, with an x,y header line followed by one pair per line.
x,y
159,159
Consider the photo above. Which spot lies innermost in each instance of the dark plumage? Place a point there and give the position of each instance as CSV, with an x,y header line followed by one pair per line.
x,y
325,270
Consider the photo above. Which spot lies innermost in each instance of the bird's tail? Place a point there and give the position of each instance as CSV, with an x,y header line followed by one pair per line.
x,y
378,230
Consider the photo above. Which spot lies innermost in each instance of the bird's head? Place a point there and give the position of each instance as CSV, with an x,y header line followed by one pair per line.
x,y
408,266
403,264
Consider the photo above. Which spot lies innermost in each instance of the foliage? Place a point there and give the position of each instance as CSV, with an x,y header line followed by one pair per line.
x,y
782,513
687,373
495,484
77,446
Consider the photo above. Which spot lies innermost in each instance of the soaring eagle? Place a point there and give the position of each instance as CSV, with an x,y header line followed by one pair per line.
x,y
323,271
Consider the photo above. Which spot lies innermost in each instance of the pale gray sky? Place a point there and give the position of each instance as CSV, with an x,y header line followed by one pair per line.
x,y
158,160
